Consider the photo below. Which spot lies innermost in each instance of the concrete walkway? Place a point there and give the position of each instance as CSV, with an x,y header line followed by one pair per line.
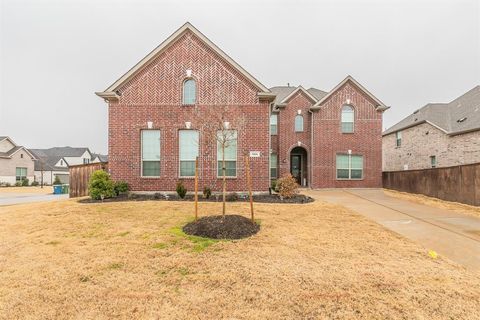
x,y
16,198
454,235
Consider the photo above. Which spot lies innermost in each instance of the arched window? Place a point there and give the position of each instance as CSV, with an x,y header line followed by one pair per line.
x,y
189,91
298,123
348,116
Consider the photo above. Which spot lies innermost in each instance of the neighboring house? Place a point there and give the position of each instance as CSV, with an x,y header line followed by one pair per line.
x,y
56,161
437,135
16,162
324,139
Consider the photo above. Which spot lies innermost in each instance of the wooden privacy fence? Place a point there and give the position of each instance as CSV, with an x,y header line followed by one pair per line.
x,y
459,183
80,175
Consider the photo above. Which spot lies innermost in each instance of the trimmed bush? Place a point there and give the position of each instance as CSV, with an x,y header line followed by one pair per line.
x,y
287,186
273,185
181,190
35,183
120,187
25,182
18,184
207,192
100,185
231,197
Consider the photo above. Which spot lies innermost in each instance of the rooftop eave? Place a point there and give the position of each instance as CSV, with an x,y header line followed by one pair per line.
x,y
382,108
108,95
269,96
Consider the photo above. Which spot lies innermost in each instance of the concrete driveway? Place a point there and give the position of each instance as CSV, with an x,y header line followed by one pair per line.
x,y
454,235
16,198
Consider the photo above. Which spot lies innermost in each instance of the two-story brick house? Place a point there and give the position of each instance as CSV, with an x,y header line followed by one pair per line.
x,y
324,139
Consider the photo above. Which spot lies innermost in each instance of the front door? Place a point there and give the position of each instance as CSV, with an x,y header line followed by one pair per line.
x,y
296,167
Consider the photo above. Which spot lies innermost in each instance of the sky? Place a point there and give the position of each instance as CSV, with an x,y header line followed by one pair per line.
x,y
55,54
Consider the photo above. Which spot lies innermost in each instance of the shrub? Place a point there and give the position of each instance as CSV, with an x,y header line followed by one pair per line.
x,y
100,185
120,187
231,197
8,184
25,182
273,185
18,184
287,186
57,180
181,190
34,183
207,192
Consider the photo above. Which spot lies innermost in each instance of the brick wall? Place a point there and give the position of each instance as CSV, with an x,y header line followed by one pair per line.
x,y
328,139
287,138
155,94
424,140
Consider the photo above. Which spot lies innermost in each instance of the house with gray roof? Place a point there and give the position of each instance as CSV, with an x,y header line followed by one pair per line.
x,y
436,135
16,162
54,162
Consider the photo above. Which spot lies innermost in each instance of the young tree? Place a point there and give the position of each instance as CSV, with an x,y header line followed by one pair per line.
x,y
219,123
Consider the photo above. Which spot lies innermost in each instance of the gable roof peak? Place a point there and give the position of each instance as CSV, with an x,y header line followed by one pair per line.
x,y
111,92
380,105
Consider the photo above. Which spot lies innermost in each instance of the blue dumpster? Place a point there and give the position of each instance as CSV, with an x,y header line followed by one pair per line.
x,y
57,189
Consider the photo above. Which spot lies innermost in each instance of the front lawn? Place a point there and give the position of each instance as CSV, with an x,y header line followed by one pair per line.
x,y
131,260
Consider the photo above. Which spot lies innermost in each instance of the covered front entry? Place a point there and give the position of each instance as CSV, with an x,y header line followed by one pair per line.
x,y
298,165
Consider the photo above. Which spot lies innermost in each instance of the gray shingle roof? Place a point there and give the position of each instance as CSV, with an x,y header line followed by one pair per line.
x,y
460,115
49,157
283,91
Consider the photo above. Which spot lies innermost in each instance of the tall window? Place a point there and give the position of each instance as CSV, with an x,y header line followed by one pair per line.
x,y
349,166
189,91
274,124
188,146
348,116
150,153
433,161
273,165
398,138
298,123
230,136
20,173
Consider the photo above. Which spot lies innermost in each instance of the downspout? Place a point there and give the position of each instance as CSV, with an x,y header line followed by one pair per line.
x,y
310,172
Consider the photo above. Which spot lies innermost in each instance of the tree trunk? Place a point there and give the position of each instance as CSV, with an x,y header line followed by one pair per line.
x,y
224,191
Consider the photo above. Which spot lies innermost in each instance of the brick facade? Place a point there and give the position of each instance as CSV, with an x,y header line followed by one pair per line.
x,y
328,140
422,141
154,94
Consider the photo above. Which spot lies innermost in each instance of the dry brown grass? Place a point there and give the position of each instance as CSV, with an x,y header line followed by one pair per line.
x,y
36,190
434,202
128,260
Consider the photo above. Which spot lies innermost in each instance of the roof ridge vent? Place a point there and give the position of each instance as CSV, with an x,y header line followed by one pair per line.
x,y
462,119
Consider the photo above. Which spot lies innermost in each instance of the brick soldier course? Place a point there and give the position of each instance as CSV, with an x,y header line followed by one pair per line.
x,y
150,97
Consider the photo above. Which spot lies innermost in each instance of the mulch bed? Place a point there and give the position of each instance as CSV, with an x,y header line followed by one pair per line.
x,y
263,198
222,227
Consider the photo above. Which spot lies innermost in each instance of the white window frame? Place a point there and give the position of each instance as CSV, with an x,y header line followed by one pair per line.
x,y
344,110
398,138
184,92
276,165
349,166
24,177
179,152
219,158
160,153
433,161
274,125
299,116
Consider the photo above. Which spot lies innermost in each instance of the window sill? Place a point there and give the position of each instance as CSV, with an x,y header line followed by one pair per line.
x,y
231,178
186,177
150,177
189,105
347,132
346,179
